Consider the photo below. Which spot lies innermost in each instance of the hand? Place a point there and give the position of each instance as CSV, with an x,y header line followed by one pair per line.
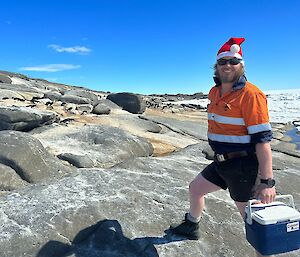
x,y
265,194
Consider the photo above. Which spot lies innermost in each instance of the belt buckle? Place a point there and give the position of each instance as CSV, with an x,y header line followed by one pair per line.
x,y
220,157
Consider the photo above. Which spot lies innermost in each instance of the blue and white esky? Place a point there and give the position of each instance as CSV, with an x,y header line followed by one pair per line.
x,y
149,46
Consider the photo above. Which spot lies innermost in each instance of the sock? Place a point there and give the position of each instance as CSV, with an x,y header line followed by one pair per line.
x,y
192,219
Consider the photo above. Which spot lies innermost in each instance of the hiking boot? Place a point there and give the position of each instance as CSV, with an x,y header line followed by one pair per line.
x,y
186,228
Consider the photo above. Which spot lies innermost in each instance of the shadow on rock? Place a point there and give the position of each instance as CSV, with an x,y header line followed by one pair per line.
x,y
106,239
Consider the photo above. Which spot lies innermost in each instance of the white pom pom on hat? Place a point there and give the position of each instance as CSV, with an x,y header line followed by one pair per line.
x,y
231,48
235,48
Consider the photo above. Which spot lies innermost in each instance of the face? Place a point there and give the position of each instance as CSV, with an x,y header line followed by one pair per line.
x,y
229,73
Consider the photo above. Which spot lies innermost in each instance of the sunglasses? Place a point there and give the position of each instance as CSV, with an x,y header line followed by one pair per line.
x,y
232,61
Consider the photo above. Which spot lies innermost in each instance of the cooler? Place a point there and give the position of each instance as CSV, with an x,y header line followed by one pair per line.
x,y
273,228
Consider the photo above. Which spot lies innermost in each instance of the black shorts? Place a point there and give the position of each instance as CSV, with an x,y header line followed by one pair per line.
x,y
238,175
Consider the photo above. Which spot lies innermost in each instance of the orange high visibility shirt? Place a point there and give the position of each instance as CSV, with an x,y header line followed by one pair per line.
x,y
235,116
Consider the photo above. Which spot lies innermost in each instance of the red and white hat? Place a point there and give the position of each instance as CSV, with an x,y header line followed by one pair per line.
x,y
231,48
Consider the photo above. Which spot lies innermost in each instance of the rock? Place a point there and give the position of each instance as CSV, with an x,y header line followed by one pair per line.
x,y
68,98
84,108
285,147
194,106
28,158
19,95
5,79
45,101
283,161
9,179
65,211
9,94
75,99
29,96
79,161
70,107
105,145
286,138
129,102
54,96
24,118
124,211
20,87
277,135
209,153
101,109
13,74
83,94
153,128
191,128
278,126
109,104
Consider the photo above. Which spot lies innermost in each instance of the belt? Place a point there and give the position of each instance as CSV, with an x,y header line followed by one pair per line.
x,y
232,155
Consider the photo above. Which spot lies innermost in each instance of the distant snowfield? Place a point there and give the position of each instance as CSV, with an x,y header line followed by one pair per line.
x,y
284,105
201,102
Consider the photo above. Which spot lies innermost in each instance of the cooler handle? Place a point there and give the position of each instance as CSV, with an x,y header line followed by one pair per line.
x,y
250,202
290,197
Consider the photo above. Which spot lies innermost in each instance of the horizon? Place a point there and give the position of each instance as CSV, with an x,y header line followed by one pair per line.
x,y
267,92
149,47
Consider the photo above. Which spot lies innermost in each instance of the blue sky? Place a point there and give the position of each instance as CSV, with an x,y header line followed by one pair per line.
x,y
149,46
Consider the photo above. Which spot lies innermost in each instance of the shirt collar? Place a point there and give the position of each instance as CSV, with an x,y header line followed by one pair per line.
x,y
239,84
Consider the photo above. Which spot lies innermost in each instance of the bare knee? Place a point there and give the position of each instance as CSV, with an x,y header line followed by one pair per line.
x,y
200,186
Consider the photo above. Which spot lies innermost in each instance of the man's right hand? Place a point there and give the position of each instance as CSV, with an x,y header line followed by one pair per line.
x,y
265,194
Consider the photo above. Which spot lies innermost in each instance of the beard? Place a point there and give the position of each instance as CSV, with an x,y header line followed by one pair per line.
x,y
229,77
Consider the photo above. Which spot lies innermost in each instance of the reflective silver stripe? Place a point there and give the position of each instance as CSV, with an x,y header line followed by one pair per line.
x,y
229,139
225,119
259,128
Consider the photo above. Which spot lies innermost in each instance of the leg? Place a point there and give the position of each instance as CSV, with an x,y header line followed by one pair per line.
x,y
189,228
199,187
241,207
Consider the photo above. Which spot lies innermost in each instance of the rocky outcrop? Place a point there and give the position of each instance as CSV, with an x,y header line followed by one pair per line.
x,y
4,78
130,102
9,178
79,161
74,99
93,146
83,94
191,128
24,118
101,109
125,210
20,87
26,156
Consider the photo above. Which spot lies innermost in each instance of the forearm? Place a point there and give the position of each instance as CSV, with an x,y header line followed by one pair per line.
x,y
264,156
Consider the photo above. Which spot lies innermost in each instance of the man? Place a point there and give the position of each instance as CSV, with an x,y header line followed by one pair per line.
x,y
239,133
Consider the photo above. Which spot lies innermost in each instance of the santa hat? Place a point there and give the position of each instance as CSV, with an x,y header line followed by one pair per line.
x,y
231,48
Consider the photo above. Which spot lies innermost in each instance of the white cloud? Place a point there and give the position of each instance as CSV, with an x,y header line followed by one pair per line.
x,y
51,67
72,49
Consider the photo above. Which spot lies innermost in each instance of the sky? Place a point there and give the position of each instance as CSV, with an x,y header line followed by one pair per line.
x,y
149,46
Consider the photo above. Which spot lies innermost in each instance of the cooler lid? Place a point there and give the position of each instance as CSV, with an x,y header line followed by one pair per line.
x,y
259,206
274,214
